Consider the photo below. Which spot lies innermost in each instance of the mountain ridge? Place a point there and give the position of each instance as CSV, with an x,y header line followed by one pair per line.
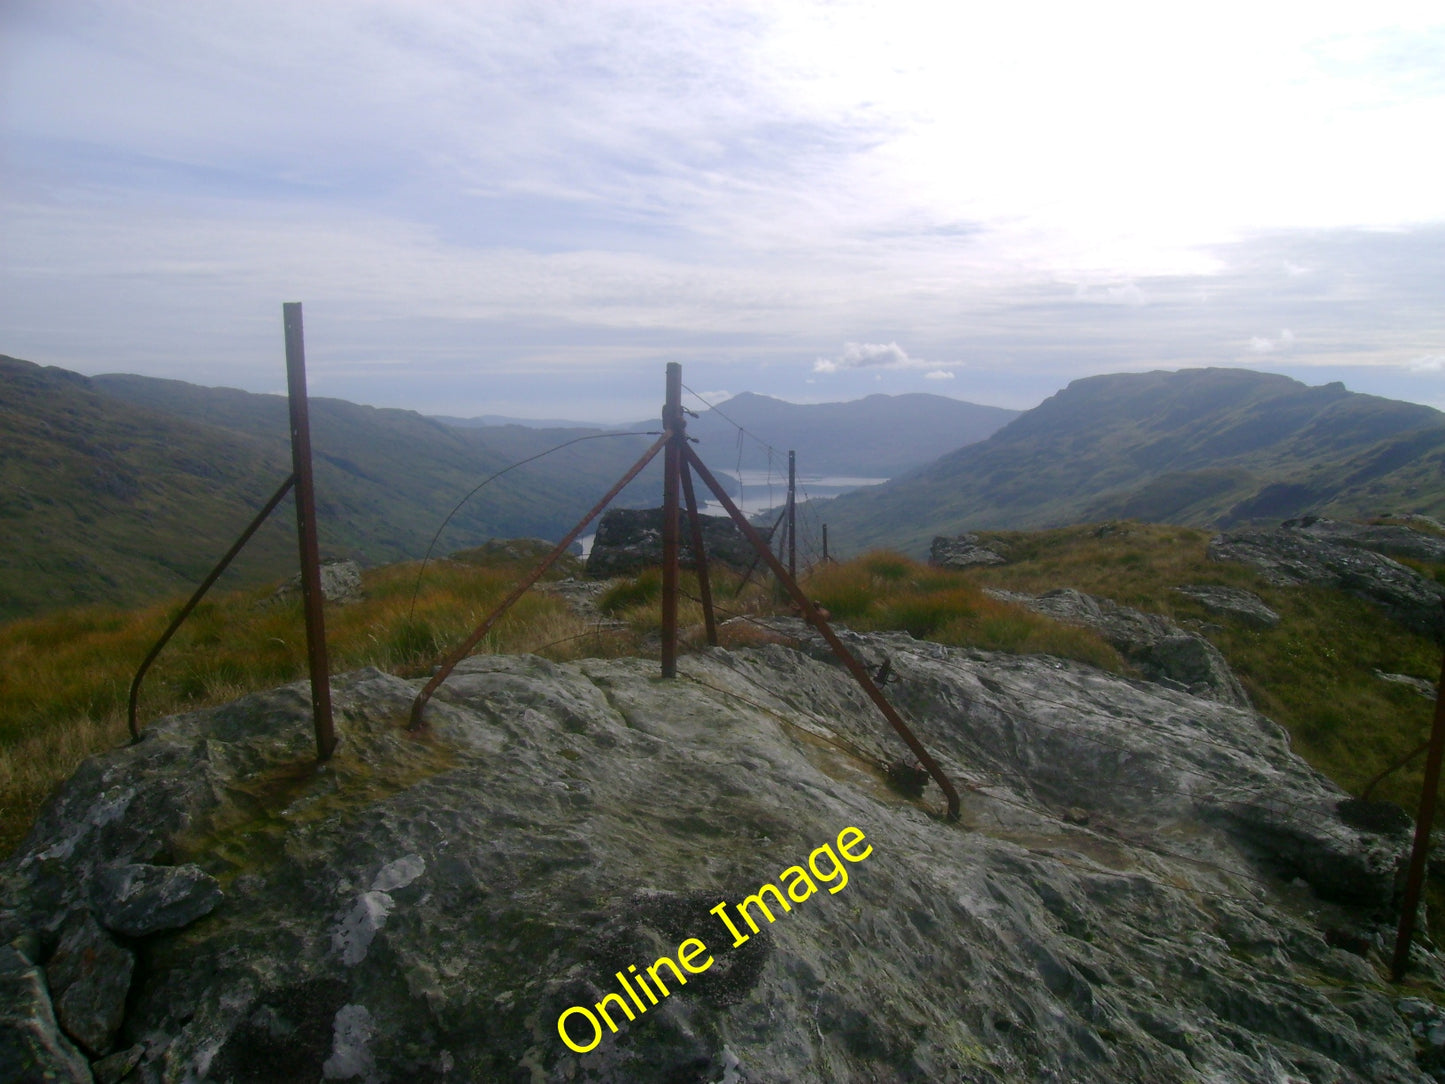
x,y
1217,447
877,436
122,488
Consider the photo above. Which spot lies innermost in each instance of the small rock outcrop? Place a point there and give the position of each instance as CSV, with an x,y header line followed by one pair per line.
x,y
630,539
340,583
962,551
1145,885
1159,648
1232,602
1327,554
1393,540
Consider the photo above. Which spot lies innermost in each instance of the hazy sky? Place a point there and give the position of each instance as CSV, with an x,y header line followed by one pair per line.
x,y
527,209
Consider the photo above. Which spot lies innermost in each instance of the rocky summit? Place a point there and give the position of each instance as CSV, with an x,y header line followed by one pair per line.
x,y
581,872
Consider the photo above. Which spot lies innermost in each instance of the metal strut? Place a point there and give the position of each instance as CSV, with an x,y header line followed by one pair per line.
x,y
195,599
809,611
444,671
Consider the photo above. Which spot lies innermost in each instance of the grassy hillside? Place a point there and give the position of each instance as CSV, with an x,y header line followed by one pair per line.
x,y
67,674
1205,446
88,486
125,489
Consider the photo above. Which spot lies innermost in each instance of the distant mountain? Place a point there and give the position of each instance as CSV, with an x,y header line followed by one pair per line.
x,y
124,488
875,437
482,420
1199,446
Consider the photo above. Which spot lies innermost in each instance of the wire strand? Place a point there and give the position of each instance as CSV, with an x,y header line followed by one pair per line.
x,y
416,590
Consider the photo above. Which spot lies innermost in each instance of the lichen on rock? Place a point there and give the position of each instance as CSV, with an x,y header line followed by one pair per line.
x,y
1144,885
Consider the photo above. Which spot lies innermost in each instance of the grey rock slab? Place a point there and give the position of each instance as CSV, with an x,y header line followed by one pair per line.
x,y
1161,649
32,1047
1233,602
340,583
1106,909
963,551
138,899
89,977
1420,685
1292,555
1393,540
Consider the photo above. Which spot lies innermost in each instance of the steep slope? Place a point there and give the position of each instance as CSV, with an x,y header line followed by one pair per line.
x,y
1144,886
103,501
875,437
1201,446
121,488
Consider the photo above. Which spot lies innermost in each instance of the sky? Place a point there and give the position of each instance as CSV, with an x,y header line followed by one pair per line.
x,y
527,209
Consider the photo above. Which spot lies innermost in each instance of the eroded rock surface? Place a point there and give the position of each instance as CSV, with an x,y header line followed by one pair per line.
x,y
1145,885
1161,649
962,551
1325,554
1232,602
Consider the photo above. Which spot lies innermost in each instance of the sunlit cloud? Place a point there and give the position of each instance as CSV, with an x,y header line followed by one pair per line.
x,y
880,356
494,194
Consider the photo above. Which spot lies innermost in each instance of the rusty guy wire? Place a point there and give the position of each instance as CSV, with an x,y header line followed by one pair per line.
x,y
816,619
301,481
195,599
444,671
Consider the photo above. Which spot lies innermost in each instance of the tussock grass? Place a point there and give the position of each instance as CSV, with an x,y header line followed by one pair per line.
x,y
883,590
64,678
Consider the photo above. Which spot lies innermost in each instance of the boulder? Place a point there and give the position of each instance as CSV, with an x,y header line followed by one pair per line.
x,y
340,583
32,1046
89,977
962,552
1159,648
1393,540
1299,552
138,899
630,539
1142,885
1232,602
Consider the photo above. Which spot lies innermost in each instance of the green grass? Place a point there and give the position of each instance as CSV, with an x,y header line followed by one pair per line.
x,y
883,590
1313,673
64,678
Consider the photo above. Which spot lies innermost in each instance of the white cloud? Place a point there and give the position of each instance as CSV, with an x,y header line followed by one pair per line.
x,y
875,355
1261,344
1430,363
882,356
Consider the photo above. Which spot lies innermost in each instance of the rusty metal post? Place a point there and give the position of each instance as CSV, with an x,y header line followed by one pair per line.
x,y
699,556
1423,823
481,630
676,424
793,514
311,595
810,612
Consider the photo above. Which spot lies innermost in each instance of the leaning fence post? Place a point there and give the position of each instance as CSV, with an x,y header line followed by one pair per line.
x,y
1423,822
311,595
676,424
